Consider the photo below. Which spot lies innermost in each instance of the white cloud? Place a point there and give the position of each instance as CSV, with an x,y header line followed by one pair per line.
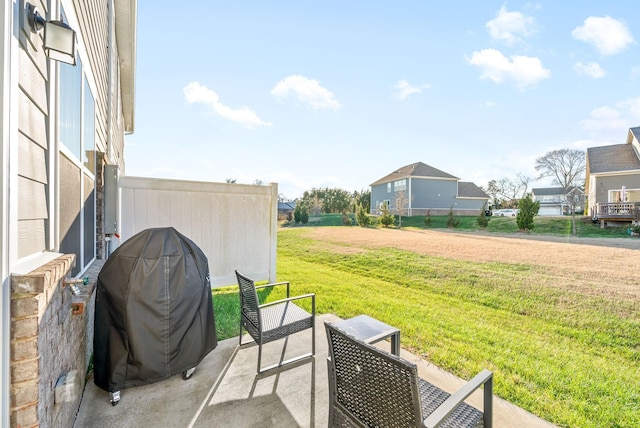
x,y
591,69
405,90
609,124
490,104
523,71
196,93
308,91
510,27
609,36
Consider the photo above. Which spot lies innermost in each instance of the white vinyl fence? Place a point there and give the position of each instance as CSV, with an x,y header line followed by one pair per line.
x,y
234,224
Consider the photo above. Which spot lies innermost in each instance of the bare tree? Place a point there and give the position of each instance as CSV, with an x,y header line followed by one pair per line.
x,y
566,166
402,205
524,184
507,190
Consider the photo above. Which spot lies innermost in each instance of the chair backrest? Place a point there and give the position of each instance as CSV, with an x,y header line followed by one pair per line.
x,y
248,299
370,385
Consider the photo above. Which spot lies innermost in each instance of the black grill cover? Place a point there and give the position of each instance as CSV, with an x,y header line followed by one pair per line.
x,y
154,313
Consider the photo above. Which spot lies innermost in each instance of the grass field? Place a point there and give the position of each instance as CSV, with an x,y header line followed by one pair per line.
x,y
559,226
570,358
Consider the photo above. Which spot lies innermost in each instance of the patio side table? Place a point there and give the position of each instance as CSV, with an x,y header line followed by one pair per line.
x,y
370,330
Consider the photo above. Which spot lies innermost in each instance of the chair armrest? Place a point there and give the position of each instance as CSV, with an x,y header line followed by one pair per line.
x,y
445,409
291,299
273,284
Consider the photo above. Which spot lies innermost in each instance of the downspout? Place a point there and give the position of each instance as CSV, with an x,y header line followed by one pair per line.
x,y
110,97
410,199
9,17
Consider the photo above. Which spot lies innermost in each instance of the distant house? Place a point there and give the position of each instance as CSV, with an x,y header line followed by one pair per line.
x,y
418,188
613,180
558,200
285,209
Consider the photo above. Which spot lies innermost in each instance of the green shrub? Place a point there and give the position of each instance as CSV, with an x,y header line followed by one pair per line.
x,y
362,217
528,209
427,219
452,221
386,219
483,219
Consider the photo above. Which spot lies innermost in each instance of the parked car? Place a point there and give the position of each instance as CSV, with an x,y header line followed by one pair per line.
x,y
509,212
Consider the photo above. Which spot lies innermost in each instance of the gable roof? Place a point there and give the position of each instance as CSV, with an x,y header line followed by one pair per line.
x,y
470,190
546,191
633,132
615,158
285,206
417,169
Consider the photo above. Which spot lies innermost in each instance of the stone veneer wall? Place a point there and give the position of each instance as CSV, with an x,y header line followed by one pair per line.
x,y
50,337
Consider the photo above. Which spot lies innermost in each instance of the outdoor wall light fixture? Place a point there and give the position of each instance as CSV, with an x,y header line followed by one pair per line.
x,y
59,38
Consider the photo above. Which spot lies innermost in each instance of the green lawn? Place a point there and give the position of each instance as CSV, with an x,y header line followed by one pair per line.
x,y
572,359
543,225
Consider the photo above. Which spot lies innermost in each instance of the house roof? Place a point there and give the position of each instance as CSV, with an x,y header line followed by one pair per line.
x,y
470,190
633,132
615,158
126,16
284,206
417,169
542,191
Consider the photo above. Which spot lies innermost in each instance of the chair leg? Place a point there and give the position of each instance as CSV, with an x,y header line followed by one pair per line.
x,y
313,337
259,356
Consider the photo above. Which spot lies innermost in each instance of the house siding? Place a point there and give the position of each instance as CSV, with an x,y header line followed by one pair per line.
x,y
46,188
614,182
33,147
433,194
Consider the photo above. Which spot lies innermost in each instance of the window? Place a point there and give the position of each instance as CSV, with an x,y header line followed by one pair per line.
x,y
76,130
388,187
400,185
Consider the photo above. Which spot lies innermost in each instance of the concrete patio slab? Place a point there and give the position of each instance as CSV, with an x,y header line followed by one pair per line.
x,y
225,391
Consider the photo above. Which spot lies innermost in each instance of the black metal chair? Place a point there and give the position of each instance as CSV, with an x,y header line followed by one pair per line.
x,y
369,387
274,320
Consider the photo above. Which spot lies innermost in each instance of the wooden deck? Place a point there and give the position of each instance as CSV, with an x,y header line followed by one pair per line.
x,y
624,212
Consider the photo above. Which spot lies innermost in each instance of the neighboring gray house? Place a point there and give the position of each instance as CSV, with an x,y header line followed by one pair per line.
x,y
558,200
613,180
418,188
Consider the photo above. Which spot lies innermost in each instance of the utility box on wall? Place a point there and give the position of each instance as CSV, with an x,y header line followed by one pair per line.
x,y
111,173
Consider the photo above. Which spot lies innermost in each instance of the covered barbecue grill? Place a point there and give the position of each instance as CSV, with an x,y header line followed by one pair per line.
x,y
154,314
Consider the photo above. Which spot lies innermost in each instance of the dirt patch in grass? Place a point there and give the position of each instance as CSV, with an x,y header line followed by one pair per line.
x,y
596,266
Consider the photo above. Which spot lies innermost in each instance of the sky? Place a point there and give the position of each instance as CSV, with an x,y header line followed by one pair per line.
x,y
313,94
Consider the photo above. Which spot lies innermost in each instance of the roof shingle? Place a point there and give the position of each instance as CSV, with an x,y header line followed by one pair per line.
x,y
417,169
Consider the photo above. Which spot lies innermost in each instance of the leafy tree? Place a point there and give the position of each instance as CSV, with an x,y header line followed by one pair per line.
x,y
483,219
566,166
528,210
331,200
362,197
452,221
304,214
297,213
386,219
316,206
495,193
362,216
